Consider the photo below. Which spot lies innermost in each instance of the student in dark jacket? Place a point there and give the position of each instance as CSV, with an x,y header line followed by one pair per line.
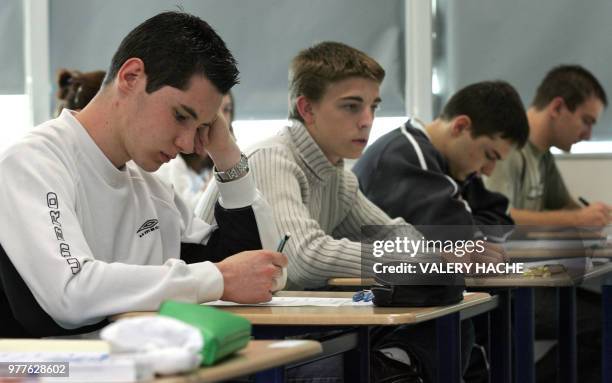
x,y
430,173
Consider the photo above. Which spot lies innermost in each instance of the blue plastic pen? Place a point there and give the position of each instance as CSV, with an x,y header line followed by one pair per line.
x,y
363,295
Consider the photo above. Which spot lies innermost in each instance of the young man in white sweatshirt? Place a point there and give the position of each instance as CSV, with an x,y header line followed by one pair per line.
x,y
87,232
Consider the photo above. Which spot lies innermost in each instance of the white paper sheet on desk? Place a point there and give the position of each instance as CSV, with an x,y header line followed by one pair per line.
x,y
296,302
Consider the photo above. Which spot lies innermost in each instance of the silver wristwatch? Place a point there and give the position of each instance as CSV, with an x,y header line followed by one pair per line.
x,y
235,172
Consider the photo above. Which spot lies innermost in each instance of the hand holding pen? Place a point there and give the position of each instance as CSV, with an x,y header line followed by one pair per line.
x,y
593,214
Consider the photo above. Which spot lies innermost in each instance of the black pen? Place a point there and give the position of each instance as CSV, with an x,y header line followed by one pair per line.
x,y
283,242
583,201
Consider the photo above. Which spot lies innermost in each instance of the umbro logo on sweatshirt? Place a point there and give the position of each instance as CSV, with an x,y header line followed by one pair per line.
x,y
147,227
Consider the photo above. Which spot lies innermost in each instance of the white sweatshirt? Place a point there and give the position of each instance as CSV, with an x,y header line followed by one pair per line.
x,y
90,240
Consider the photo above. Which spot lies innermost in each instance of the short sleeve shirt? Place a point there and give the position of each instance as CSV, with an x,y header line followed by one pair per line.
x,y
531,180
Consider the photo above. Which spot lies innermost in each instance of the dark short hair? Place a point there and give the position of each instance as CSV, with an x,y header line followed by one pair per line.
x,y
573,83
75,89
314,68
174,46
494,107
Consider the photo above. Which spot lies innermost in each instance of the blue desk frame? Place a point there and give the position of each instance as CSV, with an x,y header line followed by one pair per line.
x,y
354,342
524,334
567,354
606,352
500,331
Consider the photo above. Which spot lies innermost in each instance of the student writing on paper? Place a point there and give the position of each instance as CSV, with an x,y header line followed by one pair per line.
x,y
87,232
566,106
435,168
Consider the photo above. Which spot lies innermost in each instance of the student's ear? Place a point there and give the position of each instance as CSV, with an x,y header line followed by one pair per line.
x,y
556,106
130,75
460,124
305,108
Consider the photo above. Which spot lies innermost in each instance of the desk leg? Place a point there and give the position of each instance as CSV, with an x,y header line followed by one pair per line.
x,y
501,340
524,335
448,334
358,357
273,375
566,334
606,306
353,343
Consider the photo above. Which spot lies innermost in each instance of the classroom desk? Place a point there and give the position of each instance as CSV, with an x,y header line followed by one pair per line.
x,y
511,280
279,322
258,355
545,254
554,232
524,320
524,317
557,243
498,321
354,315
472,304
566,299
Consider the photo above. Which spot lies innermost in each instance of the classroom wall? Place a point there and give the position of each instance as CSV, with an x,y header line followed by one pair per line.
x,y
520,40
11,47
589,176
263,35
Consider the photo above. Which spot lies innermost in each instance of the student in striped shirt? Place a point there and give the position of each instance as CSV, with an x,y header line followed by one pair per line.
x,y
334,93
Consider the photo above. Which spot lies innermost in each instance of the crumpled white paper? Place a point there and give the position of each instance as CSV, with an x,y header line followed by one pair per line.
x,y
168,345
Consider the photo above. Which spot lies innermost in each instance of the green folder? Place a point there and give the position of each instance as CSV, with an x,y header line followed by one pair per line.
x,y
223,332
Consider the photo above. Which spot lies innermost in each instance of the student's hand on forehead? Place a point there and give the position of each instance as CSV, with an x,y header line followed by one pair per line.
x,y
207,134
217,140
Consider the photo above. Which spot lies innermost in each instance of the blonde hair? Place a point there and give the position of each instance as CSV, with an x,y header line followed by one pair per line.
x,y
314,68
